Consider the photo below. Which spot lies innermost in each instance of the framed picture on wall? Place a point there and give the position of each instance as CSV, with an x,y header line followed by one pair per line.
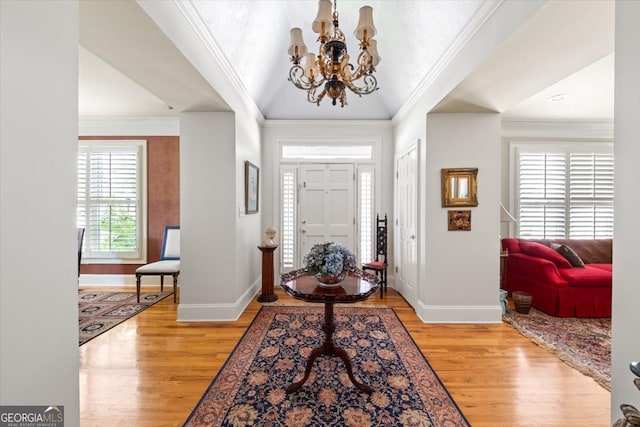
x,y
459,220
251,187
459,187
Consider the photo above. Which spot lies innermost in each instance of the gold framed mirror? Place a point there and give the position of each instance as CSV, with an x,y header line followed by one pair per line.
x,y
459,187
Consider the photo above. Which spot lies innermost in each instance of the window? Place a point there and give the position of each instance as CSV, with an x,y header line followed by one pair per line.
x,y
315,152
365,207
112,200
564,191
288,203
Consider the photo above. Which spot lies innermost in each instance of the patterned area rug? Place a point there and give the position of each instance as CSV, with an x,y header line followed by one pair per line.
x,y
250,388
582,343
101,311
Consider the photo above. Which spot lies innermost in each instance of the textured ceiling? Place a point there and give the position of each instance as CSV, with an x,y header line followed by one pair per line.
x,y
126,59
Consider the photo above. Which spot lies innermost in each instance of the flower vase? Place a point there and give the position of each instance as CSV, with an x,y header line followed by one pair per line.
x,y
330,280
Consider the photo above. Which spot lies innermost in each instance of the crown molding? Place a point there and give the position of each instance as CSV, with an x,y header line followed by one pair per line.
x,y
477,21
195,21
144,126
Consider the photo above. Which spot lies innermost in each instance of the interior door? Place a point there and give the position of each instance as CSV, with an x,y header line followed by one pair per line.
x,y
327,205
406,226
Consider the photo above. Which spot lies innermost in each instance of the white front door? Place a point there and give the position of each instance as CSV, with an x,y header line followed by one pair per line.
x,y
406,226
327,205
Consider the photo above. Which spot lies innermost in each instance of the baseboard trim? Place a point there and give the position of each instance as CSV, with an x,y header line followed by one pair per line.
x,y
459,314
226,312
111,280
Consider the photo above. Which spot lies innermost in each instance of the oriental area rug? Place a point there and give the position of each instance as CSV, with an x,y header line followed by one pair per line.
x,y
250,389
582,343
100,311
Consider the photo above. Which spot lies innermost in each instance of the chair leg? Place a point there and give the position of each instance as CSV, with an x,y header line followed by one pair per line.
x,y
138,286
175,287
384,280
161,283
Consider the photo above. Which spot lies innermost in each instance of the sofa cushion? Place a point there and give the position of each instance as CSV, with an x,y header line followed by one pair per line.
x,y
607,267
586,277
542,251
510,244
569,254
591,251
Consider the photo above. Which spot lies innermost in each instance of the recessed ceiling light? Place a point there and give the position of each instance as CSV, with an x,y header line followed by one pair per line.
x,y
557,98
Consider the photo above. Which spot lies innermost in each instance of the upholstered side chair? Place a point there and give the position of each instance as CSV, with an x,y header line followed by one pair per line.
x,y
169,264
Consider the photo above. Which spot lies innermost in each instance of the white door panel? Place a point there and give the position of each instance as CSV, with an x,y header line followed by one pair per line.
x,y
407,258
327,205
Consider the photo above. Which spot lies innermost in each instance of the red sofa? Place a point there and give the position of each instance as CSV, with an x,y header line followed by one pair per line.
x,y
554,276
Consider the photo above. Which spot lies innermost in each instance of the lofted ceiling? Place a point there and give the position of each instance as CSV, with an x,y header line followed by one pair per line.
x,y
130,68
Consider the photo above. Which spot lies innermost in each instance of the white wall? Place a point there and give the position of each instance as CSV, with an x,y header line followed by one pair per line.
x,y
208,285
411,125
626,291
38,250
248,227
459,270
242,232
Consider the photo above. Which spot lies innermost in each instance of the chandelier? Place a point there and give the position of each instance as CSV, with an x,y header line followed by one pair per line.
x,y
329,72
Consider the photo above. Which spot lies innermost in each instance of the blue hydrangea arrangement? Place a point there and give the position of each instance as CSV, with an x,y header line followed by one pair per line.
x,y
329,258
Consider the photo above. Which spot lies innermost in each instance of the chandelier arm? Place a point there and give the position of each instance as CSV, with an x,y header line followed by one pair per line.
x,y
311,96
299,80
370,85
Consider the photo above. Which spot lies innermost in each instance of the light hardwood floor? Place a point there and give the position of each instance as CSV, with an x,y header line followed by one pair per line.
x,y
152,371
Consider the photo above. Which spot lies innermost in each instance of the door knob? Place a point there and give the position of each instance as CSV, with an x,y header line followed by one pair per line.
x,y
304,222
303,231
413,236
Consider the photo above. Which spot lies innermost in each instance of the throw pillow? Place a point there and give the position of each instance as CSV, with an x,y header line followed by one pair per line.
x,y
571,255
542,251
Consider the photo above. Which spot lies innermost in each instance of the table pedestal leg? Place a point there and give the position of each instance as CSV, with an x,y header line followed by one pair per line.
x,y
328,348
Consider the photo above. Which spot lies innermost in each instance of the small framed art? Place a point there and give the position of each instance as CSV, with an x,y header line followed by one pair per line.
x,y
251,187
459,220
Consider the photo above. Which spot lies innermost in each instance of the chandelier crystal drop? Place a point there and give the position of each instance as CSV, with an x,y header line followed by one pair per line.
x,y
329,72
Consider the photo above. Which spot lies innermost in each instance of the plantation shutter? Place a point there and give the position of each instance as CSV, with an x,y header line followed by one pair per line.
x,y
288,184
109,199
565,191
542,182
591,195
366,208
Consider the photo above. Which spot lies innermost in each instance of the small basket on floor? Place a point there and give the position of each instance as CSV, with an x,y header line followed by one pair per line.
x,y
522,301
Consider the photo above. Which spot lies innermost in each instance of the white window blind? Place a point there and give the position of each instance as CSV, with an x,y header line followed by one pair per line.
x,y
564,192
591,195
110,200
288,190
365,193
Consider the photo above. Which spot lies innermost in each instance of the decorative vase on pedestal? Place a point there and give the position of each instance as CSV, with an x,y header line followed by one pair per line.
x,y
330,280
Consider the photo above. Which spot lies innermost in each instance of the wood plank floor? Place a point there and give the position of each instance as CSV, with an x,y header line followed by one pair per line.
x,y
152,371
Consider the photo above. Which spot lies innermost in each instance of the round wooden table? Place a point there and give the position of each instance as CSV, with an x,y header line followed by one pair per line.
x,y
357,286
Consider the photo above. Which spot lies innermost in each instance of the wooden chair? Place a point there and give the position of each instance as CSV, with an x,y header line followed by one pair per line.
x,y
80,240
379,264
169,264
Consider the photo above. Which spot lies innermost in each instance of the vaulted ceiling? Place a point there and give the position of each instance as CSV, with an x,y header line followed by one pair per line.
x,y
130,68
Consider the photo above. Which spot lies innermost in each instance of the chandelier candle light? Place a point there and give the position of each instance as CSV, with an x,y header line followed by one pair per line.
x,y
330,68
